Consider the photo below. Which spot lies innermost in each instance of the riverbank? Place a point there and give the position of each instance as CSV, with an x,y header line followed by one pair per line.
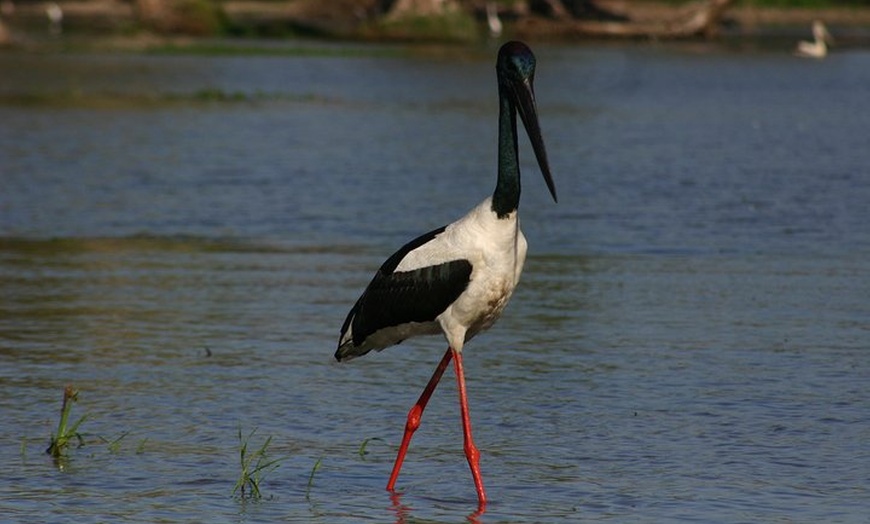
x,y
119,22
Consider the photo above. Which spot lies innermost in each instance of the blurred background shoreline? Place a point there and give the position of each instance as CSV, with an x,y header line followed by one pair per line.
x,y
141,24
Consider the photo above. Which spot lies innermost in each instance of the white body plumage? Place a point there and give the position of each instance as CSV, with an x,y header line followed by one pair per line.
x,y
496,249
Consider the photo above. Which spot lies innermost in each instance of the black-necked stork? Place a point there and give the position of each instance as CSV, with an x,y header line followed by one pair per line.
x,y
457,279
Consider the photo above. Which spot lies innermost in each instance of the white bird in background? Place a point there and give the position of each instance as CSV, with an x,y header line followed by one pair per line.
x,y
55,18
492,20
818,48
457,279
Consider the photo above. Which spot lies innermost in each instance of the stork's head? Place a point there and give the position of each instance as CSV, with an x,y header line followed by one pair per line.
x,y
516,76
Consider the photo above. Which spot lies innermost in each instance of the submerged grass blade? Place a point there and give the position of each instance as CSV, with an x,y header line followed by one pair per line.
x,y
311,477
114,444
362,447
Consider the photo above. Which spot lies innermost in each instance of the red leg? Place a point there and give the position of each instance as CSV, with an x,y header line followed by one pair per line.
x,y
415,415
471,452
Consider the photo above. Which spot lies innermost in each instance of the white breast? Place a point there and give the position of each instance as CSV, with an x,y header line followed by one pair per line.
x,y
496,249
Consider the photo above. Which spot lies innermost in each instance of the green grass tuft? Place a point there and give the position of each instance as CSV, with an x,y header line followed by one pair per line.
x,y
254,466
66,432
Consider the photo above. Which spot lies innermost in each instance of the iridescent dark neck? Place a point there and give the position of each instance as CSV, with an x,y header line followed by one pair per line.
x,y
506,197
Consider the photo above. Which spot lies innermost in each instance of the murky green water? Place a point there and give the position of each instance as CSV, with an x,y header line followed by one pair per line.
x,y
182,236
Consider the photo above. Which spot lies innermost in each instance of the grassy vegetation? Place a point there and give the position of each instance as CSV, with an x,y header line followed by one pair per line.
x,y
362,447
254,467
117,101
114,444
451,27
311,477
66,432
253,48
199,18
255,461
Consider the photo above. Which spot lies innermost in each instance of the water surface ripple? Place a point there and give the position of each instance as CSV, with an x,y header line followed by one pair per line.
x,y
181,237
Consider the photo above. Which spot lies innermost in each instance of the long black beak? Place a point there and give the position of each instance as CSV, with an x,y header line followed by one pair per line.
x,y
524,100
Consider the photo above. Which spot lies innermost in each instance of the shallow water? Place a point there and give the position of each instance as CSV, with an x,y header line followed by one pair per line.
x,y
182,236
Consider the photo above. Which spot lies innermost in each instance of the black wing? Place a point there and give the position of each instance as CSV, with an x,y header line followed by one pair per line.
x,y
394,298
